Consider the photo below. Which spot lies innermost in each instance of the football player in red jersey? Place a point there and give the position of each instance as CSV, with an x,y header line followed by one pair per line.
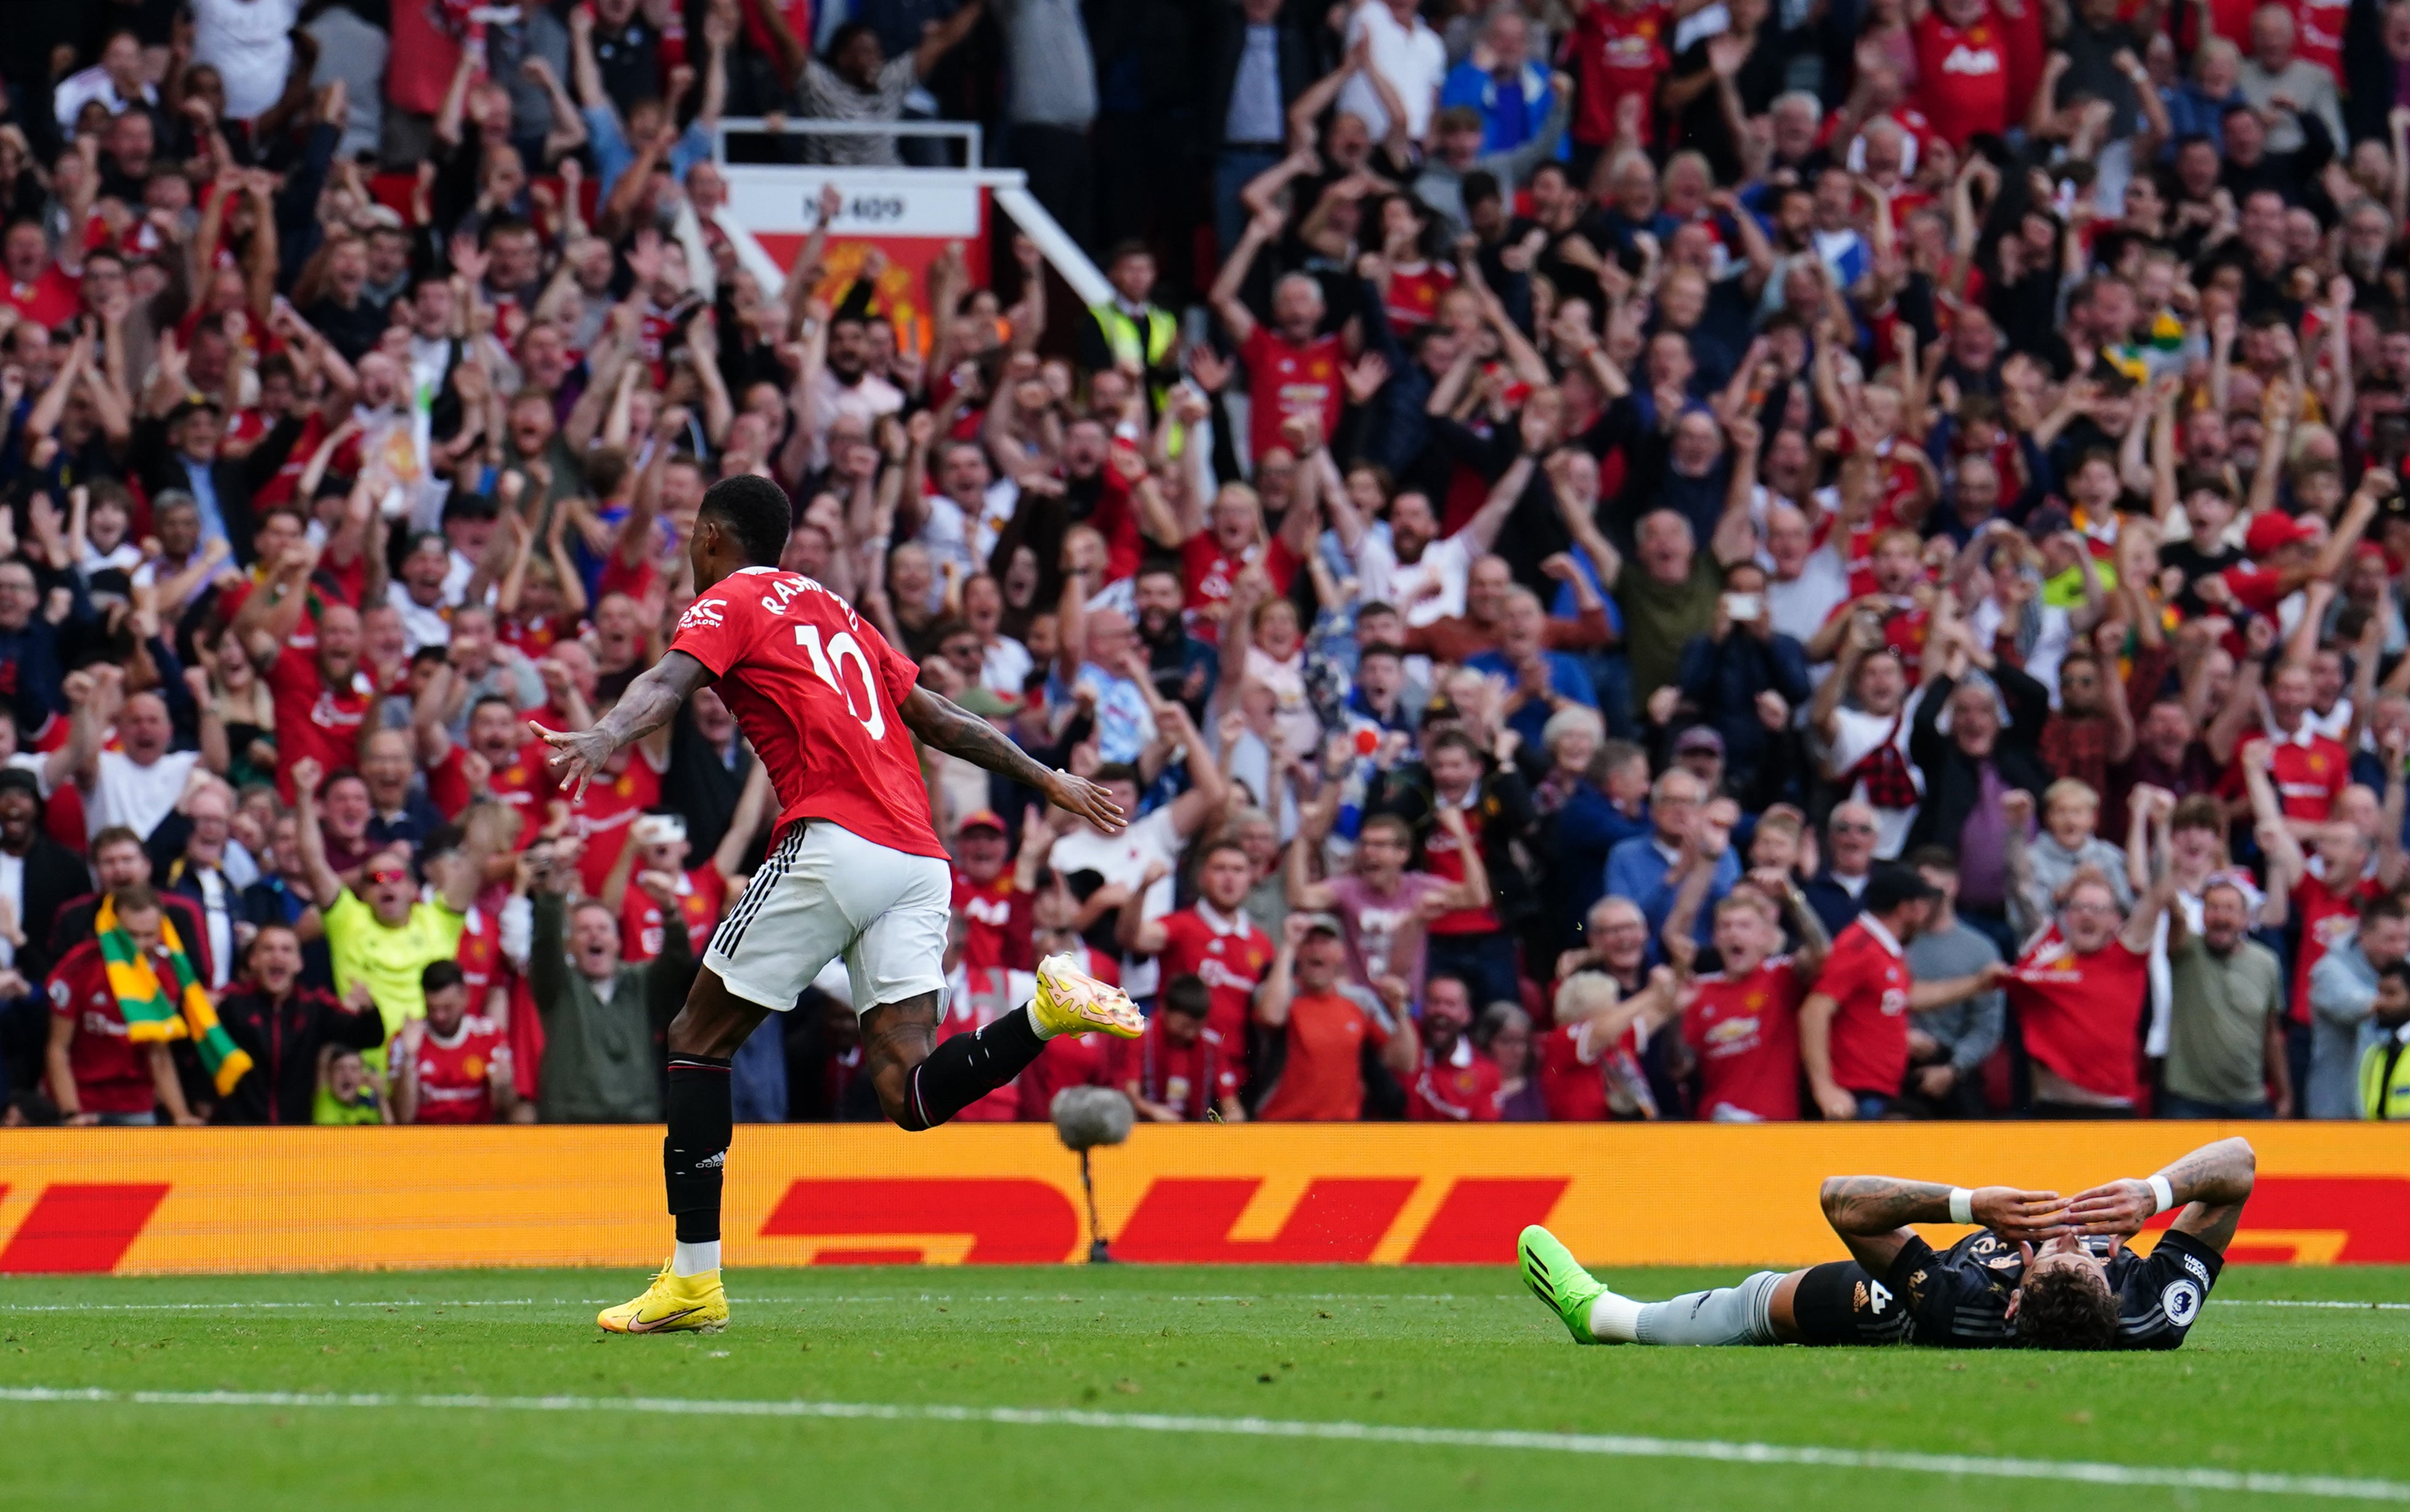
x,y
833,712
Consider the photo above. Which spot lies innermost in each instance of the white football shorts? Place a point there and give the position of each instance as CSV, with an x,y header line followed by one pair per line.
x,y
824,893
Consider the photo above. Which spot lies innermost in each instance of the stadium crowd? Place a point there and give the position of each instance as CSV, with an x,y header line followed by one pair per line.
x,y
1737,561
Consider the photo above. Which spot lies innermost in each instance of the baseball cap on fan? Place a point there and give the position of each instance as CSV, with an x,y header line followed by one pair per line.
x,y
2274,530
987,818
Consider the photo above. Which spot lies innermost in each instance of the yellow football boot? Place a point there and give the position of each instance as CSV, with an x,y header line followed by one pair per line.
x,y
671,1305
1071,1001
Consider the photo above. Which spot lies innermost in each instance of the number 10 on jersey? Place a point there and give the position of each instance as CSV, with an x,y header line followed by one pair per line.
x,y
826,662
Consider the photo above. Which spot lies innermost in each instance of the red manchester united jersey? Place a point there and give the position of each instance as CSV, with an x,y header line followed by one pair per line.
x,y
1229,956
2310,772
1867,976
1289,379
1616,50
1745,1032
703,893
311,718
2082,1015
1962,78
455,1078
1461,1089
820,693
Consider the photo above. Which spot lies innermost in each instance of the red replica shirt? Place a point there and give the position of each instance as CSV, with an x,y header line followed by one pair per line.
x,y
2310,774
113,1074
1462,1091
530,636
1285,380
612,802
1745,1032
1617,50
2083,1014
479,957
1962,78
1868,976
1193,1077
524,783
702,896
456,1077
1573,1081
988,944
1411,301
1208,571
49,301
1230,957
2328,918
1443,859
820,693
311,718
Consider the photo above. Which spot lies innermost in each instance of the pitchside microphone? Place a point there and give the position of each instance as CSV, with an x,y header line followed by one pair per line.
x,y
1084,1118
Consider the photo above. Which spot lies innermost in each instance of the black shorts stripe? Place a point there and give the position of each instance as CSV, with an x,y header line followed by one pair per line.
x,y
731,932
756,892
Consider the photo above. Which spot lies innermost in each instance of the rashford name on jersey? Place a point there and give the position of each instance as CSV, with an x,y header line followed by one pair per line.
x,y
820,693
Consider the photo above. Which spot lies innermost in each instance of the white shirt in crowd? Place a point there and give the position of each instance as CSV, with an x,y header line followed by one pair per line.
x,y
423,625
133,795
12,898
1429,588
1414,61
246,41
1004,667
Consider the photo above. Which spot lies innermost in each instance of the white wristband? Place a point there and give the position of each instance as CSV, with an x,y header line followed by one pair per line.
x,y
2162,1194
1962,1205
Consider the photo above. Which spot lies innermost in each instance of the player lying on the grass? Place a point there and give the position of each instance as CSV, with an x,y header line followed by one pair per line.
x,y
857,869
1992,1288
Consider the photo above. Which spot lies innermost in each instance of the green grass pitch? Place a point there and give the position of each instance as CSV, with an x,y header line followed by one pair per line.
x,y
1145,1387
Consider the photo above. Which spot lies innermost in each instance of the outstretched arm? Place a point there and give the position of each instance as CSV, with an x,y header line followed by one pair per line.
x,y
945,725
1872,1213
2211,1183
649,704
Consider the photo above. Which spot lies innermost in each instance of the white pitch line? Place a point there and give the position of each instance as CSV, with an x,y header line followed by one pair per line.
x,y
2082,1471
816,1299
775,1300
247,1306
2282,1301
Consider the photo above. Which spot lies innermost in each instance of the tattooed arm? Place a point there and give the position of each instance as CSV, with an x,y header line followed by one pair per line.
x,y
2211,1183
649,704
943,725
1872,1213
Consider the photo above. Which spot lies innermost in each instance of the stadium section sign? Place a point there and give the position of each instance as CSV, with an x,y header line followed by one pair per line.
x,y
199,1201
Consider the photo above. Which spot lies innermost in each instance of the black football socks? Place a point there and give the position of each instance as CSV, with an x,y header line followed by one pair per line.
x,y
694,1153
967,1067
